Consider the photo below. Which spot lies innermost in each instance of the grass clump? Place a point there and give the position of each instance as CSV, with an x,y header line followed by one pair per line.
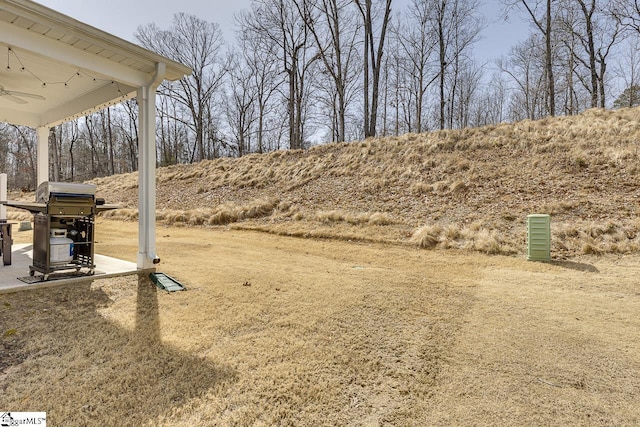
x,y
220,215
428,236
335,216
474,238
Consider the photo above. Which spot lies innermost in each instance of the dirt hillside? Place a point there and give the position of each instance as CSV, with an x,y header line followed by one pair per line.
x,y
469,189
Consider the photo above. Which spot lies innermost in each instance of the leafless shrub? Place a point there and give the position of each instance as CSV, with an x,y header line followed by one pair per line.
x,y
452,237
590,248
334,216
330,216
380,218
259,208
224,216
451,232
284,207
427,236
488,242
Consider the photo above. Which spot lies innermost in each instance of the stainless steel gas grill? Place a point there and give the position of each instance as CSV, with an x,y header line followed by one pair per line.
x,y
63,227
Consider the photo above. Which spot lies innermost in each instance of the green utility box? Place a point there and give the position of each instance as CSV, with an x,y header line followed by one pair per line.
x,y
538,237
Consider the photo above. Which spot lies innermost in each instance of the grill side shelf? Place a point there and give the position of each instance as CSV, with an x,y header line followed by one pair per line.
x,y
32,207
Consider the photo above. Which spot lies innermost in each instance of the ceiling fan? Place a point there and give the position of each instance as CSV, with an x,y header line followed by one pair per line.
x,y
16,96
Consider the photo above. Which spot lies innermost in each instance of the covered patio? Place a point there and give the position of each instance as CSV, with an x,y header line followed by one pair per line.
x,y
58,69
16,276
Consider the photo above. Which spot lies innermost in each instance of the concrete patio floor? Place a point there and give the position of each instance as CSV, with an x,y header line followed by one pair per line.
x,y
21,259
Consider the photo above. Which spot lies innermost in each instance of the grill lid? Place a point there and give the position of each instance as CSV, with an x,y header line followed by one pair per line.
x,y
47,188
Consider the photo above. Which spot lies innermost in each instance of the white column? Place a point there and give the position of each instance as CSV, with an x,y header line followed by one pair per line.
x,y
3,196
147,257
43,155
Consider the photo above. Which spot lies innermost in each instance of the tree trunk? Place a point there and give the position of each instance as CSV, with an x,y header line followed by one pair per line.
x,y
92,144
373,62
111,148
367,30
57,167
292,109
443,66
549,63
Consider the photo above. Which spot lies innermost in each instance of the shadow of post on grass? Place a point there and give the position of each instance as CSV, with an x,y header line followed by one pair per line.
x,y
147,327
84,369
572,265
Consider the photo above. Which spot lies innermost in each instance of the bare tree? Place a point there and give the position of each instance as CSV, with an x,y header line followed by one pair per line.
x,y
543,21
603,51
627,13
240,104
73,132
259,55
334,32
55,152
456,26
92,135
129,129
173,130
526,69
491,104
417,44
588,8
591,27
24,154
397,109
197,44
373,51
279,23
569,44
468,79
628,72
464,32
441,11
108,143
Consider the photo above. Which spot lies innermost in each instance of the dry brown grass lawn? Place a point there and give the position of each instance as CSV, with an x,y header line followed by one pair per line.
x,y
284,331
359,327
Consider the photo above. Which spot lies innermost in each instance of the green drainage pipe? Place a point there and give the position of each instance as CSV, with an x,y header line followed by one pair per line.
x,y
539,237
166,282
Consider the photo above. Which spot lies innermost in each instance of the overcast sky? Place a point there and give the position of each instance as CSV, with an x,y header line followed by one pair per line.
x,y
122,18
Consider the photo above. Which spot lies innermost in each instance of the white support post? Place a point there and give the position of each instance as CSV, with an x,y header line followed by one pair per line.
x,y
42,155
147,257
3,196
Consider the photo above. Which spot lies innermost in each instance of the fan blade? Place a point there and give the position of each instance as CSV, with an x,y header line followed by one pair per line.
x,y
25,95
14,98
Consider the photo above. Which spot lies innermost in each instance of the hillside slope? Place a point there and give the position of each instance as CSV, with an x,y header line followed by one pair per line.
x,y
469,189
